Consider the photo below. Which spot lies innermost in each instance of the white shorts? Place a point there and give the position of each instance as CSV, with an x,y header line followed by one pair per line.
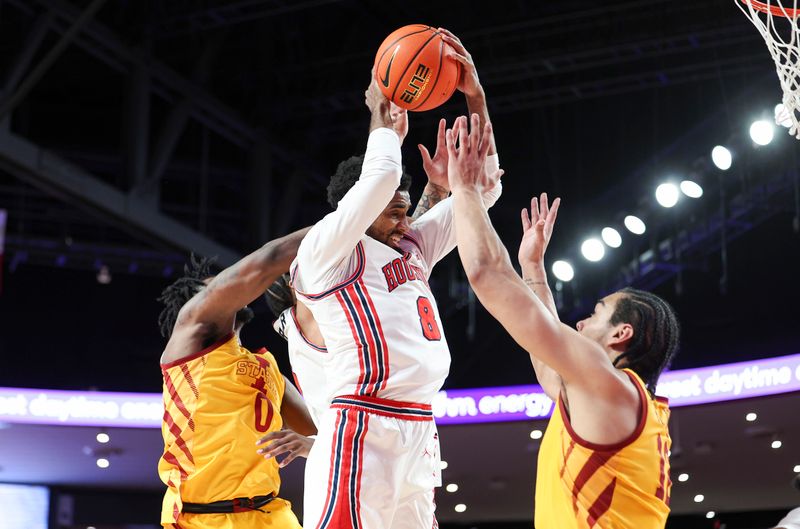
x,y
374,465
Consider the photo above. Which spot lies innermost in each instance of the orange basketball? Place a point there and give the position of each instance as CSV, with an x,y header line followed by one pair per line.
x,y
413,69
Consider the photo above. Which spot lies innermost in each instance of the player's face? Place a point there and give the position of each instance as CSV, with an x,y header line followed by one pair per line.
x,y
598,325
392,223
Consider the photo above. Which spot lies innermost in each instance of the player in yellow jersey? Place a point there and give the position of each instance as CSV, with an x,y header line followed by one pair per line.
x,y
220,398
603,462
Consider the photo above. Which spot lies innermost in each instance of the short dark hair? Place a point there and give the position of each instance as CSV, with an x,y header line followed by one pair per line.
x,y
279,295
175,296
656,334
347,174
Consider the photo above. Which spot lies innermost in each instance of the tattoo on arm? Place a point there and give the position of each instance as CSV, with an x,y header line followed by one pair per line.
x,y
432,195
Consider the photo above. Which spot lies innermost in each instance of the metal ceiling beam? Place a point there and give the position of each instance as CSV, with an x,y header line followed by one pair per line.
x,y
40,167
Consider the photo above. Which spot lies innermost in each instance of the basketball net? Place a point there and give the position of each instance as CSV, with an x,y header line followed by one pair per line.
x,y
775,23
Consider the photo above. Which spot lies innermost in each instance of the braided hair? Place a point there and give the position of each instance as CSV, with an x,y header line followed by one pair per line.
x,y
655,334
175,296
347,174
279,296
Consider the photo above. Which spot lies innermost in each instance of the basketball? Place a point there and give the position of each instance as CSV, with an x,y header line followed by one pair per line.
x,y
413,69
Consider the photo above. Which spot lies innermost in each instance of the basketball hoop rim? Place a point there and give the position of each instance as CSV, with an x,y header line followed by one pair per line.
x,y
775,10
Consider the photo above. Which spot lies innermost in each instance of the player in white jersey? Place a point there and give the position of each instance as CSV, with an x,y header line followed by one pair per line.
x,y
363,272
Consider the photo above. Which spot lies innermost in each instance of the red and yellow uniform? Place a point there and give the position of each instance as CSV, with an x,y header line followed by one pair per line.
x,y
582,485
217,403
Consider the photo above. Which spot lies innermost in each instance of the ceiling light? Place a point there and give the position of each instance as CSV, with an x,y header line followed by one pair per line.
x,y
593,250
698,498
103,438
750,417
443,464
761,132
611,237
722,157
667,194
776,444
635,225
461,507
796,469
451,487
104,275
563,271
691,189
102,462
683,477
710,514
536,434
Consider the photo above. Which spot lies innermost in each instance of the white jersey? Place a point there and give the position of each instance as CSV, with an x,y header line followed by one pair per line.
x,y
372,302
307,361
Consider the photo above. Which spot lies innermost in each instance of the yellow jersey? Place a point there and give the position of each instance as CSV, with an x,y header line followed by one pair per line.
x,y
582,485
217,403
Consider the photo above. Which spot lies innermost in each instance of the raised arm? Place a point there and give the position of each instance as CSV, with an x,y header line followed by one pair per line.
x,y
334,237
537,228
437,188
576,359
211,313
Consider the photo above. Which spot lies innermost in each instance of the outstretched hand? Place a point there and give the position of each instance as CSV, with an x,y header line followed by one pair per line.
x,y
436,167
285,442
399,121
537,228
466,168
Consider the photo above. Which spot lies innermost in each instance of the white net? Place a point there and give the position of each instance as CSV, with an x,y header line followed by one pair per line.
x,y
778,25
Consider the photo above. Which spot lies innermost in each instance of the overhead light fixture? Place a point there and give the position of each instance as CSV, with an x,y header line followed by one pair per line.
x,y
634,224
722,157
104,275
750,417
611,237
699,498
593,250
710,514
443,464
102,462
667,194
762,132
451,487
563,271
776,444
691,189
796,469
103,438
536,434
683,477
460,507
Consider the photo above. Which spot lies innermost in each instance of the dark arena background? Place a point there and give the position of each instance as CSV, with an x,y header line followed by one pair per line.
x,y
133,132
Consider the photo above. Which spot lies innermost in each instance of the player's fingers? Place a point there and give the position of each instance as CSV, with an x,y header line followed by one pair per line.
x,y
526,221
534,209
450,142
460,58
426,156
554,211
271,437
486,141
475,134
545,208
440,133
288,459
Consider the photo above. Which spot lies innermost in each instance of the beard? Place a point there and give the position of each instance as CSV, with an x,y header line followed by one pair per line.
x,y
244,316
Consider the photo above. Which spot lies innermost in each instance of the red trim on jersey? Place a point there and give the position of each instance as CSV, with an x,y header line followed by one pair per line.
x,y
388,402
360,469
660,489
311,344
663,400
331,466
381,337
356,339
359,249
566,455
202,352
592,465
602,504
176,398
170,458
176,432
189,379
371,344
613,447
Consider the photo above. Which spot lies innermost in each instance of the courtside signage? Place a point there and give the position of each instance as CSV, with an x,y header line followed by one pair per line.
x,y
460,406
